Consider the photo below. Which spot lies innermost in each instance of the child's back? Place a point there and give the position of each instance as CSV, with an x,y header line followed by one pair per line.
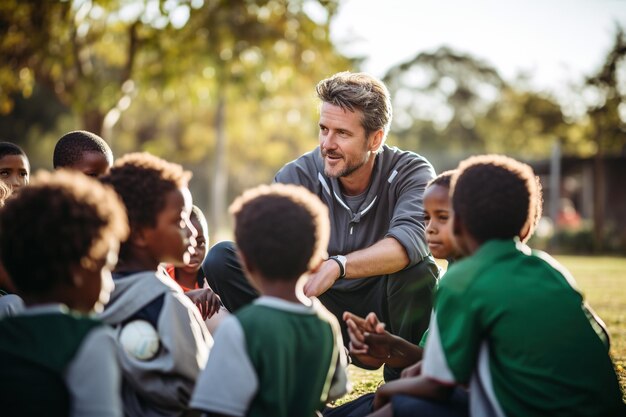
x,y
44,353
538,347
282,352
281,356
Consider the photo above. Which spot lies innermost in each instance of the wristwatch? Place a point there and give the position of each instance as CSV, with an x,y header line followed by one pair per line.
x,y
341,261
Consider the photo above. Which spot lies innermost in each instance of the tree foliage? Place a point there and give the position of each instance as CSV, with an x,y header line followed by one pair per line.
x,y
449,91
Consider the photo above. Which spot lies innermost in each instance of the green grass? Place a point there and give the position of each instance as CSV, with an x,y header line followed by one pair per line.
x,y
602,281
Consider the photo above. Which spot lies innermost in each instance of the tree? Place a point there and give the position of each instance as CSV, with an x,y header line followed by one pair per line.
x,y
86,53
523,123
254,51
606,123
447,89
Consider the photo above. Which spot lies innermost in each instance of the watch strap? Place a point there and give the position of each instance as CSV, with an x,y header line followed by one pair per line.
x,y
342,268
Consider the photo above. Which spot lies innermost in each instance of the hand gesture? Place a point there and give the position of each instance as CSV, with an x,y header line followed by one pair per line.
x,y
370,343
206,300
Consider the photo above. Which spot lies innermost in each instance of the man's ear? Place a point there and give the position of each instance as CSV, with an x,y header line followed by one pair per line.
x,y
377,140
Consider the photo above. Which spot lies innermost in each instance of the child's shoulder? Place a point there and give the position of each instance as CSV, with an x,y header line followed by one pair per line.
x,y
282,313
50,338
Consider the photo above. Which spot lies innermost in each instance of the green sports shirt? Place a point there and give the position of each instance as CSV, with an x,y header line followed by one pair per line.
x,y
273,358
510,323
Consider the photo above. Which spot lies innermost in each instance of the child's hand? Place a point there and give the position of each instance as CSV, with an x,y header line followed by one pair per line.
x,y
371,349
206,300
369,324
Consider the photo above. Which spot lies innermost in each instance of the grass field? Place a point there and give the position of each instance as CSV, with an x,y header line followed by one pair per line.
x,y
603,282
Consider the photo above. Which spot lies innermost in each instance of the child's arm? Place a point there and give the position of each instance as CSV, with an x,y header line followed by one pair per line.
x,y
229,381
419,386
206,300
93,377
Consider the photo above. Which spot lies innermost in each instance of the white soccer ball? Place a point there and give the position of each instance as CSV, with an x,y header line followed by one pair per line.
x,y
139,339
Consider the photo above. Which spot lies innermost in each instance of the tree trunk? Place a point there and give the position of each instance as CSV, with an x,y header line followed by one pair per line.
x,y
219,185
92,121
599,196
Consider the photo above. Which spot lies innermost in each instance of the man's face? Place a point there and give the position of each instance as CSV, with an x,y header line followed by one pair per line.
x,y
344,145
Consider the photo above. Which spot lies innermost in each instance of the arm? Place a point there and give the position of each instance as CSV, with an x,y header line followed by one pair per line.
x,y
420,386
93,378
206,300
229,382
384,257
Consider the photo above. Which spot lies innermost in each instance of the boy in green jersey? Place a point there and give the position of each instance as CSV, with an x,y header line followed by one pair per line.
x,y
508,322
282,355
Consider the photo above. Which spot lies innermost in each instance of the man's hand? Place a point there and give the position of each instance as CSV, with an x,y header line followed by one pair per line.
x,y
321,280
206,300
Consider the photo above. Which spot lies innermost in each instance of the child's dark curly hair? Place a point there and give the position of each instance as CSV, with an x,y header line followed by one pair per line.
x,y
495,196
60,221
71,147
143,181
282,230
8,148
442,179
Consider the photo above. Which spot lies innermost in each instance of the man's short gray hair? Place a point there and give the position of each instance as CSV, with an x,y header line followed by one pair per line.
x,y
359,91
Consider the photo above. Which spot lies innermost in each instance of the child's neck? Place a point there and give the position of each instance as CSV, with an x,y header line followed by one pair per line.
x,y
186,278
279,289
137,261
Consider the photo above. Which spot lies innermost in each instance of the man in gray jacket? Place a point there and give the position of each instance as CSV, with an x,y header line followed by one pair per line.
x,y
379,259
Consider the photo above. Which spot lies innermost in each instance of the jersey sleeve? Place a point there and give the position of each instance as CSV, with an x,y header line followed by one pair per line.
x,y
454,339
93,378
229,382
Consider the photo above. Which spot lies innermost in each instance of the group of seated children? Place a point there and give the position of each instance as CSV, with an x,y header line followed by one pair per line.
x,y
111,314
135,224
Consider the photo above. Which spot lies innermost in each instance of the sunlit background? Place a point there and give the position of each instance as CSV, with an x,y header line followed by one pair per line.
x,y
226,88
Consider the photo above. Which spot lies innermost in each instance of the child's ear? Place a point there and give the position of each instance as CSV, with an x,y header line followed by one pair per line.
x,y
138,237
77,276
247,266
457,225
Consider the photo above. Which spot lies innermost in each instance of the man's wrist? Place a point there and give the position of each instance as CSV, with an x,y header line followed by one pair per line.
x,y
341,262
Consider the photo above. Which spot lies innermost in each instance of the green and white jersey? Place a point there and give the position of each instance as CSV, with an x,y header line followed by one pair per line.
x,y
510,323
273,358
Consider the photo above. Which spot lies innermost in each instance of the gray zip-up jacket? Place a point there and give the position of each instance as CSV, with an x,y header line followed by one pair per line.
x,y
161,386
392,207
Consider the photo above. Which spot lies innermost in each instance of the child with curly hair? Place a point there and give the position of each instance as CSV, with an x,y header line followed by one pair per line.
x,y
158,202
55,359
